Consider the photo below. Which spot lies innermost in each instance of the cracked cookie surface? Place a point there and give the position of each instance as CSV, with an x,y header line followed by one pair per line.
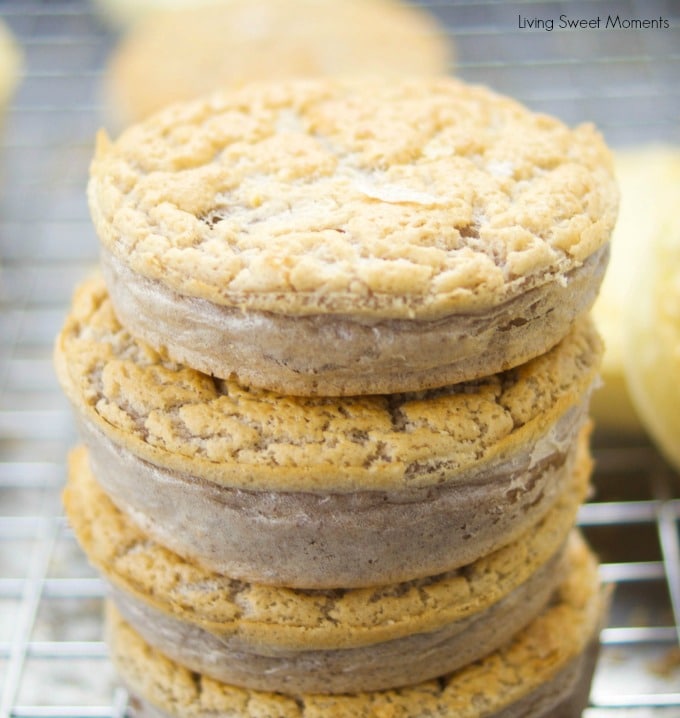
x,y
543,667
183,420
410,199
258,615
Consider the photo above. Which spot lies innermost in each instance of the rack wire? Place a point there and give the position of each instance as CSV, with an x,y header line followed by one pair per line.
x,y
52,659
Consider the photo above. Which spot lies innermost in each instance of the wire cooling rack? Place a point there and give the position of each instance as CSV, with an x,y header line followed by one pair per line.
x,y
52,660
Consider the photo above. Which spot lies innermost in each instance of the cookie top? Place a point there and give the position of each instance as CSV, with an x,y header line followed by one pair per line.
x,y
535,656
183,420
179,55
403,199
306,619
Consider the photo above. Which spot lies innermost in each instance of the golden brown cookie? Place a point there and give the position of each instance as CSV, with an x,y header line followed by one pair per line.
x,y
330,641
180,54
353,237
322,492
543,672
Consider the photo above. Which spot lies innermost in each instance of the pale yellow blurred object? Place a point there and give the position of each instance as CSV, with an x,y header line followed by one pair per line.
x,y
11,61
175,56
651,333
122,13
650,196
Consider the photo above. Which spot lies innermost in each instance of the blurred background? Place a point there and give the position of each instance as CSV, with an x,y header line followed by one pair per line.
x,y
57,77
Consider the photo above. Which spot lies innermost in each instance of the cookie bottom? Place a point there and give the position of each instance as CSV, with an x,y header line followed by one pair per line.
x,y
390,664
330,355
326,540
540,704
320,641
544,670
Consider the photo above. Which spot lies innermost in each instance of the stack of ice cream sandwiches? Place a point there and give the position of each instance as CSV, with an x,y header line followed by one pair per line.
x,y
332,385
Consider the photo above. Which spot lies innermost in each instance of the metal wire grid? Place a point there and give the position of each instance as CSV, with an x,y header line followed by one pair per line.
x,y
52,660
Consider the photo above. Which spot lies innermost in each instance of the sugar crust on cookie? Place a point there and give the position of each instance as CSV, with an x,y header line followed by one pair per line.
x,y
412,199
536,656
178,418
306,619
